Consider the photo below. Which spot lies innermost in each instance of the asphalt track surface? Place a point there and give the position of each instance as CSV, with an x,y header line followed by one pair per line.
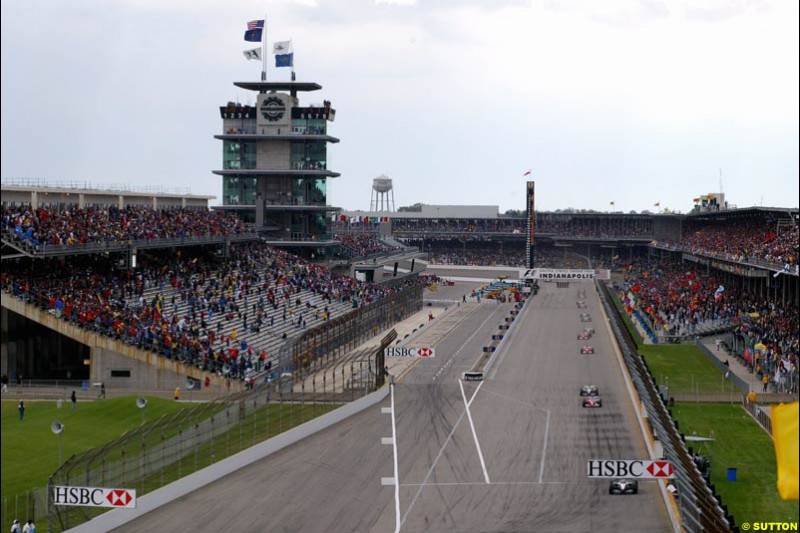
x,y
534,437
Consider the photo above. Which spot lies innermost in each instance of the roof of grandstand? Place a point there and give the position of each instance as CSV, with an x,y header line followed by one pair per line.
x,y
436,211
84,187
743,211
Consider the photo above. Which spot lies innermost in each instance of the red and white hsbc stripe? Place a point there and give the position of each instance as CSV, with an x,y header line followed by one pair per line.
x,y
612,468
423,351
93,497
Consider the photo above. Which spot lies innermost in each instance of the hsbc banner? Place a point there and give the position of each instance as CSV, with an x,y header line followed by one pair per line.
x,y
612,468
424,352
94,497
565,274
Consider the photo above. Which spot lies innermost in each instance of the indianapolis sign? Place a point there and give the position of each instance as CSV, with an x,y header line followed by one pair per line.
x,y
424,352
565,274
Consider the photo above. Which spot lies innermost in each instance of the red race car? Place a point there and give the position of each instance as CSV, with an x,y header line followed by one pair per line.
x,y
587,349
592,401
584,336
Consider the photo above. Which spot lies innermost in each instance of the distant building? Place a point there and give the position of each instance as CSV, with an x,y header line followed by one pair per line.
x,y
434,211
711,202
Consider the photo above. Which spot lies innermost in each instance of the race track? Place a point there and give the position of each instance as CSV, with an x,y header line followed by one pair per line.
x,y
534,436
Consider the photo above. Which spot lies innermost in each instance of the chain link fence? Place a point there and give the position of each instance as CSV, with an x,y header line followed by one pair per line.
x,y
173,446
319,347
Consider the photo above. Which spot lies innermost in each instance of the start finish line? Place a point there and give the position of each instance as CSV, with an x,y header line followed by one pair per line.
x,y
552,274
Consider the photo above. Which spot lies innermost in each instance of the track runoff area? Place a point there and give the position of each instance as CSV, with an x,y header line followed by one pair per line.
x,y
509,453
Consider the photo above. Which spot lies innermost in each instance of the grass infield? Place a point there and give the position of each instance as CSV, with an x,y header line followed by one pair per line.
x,y
682,367
740,443
30,450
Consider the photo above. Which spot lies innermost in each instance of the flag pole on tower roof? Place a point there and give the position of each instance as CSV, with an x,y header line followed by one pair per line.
x,y
291,47
264,50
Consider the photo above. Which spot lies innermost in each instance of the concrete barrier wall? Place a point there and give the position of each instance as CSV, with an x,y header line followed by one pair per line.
x,y
190,483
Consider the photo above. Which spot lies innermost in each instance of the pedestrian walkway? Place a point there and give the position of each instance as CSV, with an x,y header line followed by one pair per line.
x,y
736,366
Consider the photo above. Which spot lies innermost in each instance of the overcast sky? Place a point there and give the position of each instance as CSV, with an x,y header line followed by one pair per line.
x,y
632,101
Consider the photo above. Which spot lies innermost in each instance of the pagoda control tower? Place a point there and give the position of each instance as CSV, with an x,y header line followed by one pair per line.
x,y
274,163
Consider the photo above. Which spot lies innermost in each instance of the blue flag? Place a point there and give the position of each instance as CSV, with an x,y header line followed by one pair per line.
x,y
254,31
284,60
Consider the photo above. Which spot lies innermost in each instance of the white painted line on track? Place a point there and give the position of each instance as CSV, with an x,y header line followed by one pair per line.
x,y
396,478
490,369
430,470
475,393
467,483
544,448
546,427
438,456
460,348
472,425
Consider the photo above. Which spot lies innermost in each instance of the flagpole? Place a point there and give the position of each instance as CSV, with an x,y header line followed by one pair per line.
x,y
291,47
264,50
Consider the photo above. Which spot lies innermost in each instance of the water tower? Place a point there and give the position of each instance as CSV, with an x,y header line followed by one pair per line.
x,y
382,196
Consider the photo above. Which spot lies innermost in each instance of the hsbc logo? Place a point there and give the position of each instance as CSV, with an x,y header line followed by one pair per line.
x,y
93,497
600,468
424,352
119,497
660,469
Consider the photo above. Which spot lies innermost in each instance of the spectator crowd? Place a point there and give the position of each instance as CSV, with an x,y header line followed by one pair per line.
x,y
682,299
757,239
362,244
552,224
192,306
75,226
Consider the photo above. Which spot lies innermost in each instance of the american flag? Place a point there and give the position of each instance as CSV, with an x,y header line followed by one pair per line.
x,y
255,25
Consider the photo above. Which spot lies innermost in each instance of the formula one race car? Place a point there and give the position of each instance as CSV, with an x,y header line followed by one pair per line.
x,y
582,305
589,390
586,318
583,336
590,331
587,350
623,486
592,401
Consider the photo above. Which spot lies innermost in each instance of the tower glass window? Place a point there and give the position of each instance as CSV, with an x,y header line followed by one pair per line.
x,y
238,191
309,156
238,155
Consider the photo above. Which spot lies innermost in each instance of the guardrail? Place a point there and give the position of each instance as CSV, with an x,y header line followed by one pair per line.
x,y
758,414
700,507
45,250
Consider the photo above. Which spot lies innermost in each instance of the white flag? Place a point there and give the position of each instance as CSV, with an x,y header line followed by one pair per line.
x,y
280,48
255,53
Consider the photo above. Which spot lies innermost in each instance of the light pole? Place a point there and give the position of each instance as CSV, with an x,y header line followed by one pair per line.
x,y
58,429
141,403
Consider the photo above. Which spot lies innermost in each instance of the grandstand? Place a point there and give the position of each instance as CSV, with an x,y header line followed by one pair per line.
x,y
224,316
